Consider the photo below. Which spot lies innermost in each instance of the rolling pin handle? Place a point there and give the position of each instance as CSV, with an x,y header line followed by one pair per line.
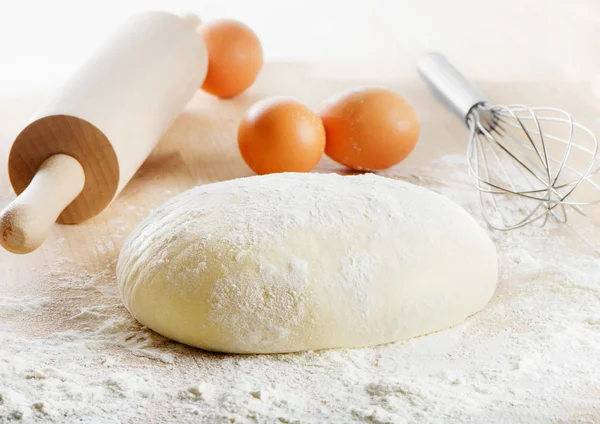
x,y
192,19
27,220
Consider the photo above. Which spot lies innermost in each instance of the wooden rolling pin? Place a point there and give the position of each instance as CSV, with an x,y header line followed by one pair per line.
x,y
80,151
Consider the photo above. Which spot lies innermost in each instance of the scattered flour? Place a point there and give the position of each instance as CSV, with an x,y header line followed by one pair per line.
x,y
73,354
11,304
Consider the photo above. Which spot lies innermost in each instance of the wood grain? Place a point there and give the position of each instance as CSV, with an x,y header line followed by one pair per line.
x,y
77,138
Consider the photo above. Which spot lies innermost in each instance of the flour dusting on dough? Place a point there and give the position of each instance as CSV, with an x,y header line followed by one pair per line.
x,y
532,355
296,262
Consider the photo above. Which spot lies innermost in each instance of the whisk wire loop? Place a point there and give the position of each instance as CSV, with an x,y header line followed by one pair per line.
x,y
528,163
510,154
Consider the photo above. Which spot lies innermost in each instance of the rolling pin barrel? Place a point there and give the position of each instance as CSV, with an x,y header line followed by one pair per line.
x,y
107,119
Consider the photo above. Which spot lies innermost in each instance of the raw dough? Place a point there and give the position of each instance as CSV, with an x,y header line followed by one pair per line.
x,y
292,262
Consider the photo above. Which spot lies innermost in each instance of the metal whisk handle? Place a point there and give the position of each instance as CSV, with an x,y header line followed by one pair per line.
x,y
449,84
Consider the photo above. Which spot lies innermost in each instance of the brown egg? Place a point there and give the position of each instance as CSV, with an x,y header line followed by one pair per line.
x,y
235,57
369,128
279,134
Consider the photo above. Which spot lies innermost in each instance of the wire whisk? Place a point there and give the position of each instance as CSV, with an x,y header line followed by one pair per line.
x,y
528,163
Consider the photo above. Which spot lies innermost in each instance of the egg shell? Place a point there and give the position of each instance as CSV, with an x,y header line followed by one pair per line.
x,y
279,134
235,57
369,128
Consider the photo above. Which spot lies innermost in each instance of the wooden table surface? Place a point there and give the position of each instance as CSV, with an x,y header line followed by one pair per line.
x,y
541,53
550,60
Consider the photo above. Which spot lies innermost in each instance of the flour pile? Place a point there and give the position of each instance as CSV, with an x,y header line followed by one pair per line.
x,y
532,355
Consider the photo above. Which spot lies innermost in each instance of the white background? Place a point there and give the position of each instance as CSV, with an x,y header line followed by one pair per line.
x,y
509,40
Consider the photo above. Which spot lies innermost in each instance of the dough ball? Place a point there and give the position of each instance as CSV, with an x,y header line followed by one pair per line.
x,y
293,262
